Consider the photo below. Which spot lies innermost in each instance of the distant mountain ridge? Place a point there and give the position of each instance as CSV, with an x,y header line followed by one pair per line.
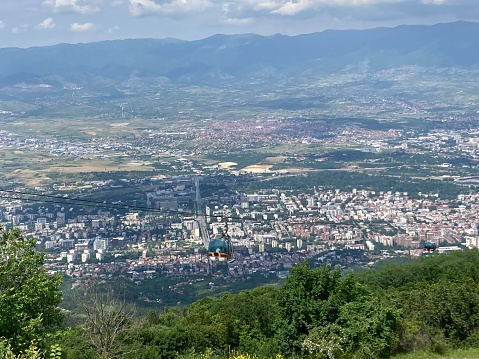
x,y
222,58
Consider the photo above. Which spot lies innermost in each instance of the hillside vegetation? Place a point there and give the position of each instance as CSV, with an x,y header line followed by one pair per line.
x,y
430,305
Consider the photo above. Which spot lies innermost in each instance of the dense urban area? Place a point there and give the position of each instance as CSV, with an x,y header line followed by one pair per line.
x,y
150,226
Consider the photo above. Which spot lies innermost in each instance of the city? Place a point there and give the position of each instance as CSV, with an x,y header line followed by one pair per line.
x,y
271,230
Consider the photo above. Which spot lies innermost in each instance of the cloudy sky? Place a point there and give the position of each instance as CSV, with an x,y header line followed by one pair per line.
x,y
25,23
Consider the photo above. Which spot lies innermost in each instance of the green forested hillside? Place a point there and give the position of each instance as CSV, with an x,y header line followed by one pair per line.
x,y
430,305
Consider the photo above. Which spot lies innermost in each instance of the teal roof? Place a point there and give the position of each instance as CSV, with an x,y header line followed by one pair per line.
x,y
217,245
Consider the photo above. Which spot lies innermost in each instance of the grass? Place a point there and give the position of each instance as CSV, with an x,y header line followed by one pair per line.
x,y
243,159
454,354
9,155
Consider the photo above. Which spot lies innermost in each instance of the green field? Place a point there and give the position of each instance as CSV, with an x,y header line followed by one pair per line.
x,y
452,354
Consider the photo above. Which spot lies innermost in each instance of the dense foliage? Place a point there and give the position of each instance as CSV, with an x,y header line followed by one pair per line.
x,y
347,180
29,298
430,304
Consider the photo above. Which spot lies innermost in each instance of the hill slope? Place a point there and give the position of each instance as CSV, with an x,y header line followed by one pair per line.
x,y
223,58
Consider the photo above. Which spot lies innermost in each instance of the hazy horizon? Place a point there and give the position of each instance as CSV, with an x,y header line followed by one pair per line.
x,y
50,22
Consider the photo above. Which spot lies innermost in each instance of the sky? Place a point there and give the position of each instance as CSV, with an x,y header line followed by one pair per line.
x,y
27,23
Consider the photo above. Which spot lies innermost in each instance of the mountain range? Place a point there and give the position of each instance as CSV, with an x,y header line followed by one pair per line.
x,y
248,57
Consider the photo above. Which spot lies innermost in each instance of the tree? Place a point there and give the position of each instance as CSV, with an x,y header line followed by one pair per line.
x,y
326,342
307,300
29,297
109,321
31,353
370,327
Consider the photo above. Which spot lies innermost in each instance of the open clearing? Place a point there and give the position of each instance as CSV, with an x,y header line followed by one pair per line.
x,y
227,165
34,170
257,169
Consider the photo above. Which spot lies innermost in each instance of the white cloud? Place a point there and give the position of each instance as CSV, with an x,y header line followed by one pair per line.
x,y
77,27
111,30
292,8
19,29
243,11
265,5
355,2
174,7
236,21
77,6
46,24
2,25
117,3
434,2
255,8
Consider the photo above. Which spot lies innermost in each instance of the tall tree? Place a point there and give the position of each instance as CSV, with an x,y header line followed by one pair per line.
x,y
305,302
29,297
109,321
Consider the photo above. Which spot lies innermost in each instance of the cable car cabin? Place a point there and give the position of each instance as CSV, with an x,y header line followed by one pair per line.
x,y
220,250
429,248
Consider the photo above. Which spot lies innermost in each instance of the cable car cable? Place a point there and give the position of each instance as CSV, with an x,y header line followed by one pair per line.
x,y
114,206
